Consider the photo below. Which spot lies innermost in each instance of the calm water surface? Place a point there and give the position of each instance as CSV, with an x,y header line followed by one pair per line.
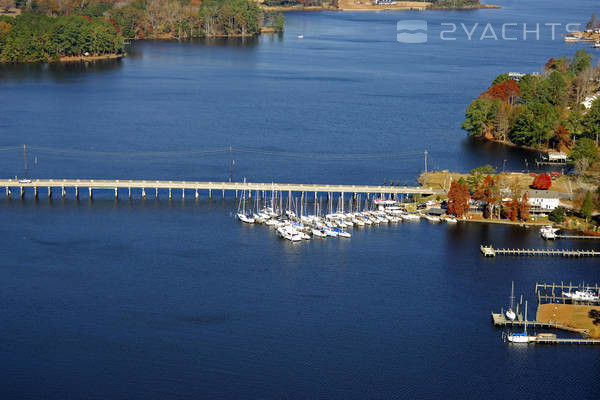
x,y
175,299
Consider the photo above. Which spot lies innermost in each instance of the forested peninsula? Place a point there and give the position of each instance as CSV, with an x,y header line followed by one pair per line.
x,y
54,30
557,109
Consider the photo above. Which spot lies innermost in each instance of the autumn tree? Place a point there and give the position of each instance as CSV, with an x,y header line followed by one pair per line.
x,y
458,198
524,208
507,91
561,139
488,192
511,209
542,182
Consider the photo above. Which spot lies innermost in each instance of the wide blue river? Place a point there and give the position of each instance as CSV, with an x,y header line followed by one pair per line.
x,y
176,299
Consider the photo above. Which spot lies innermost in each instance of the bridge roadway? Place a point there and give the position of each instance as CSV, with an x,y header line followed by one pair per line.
x,y
143,185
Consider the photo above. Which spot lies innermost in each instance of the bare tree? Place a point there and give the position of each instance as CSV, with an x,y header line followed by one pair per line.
x,y
581,165
6,5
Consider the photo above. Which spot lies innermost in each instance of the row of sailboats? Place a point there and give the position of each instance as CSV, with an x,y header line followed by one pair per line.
x,y
294,223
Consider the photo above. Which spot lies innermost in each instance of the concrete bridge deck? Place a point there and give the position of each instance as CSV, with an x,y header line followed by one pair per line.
x,y
143,185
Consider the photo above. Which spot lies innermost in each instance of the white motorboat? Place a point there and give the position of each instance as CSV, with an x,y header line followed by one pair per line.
x,y
450,220
548,232
596,45
319,233
289,233
300,36
432,218
410,217
582,295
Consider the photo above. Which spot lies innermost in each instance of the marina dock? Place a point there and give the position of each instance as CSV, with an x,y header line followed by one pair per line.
x,y
489,251
141,186
500,320
578,237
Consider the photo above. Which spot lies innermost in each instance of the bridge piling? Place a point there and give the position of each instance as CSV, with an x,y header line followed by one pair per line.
x,y
77,192
49,192
143,193
210,193
91,193
170,194
22,192
7,191
35,192
156,193
182,194
129,192
116,194
196,194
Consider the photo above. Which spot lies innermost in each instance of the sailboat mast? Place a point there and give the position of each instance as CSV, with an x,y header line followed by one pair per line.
x,y
525,317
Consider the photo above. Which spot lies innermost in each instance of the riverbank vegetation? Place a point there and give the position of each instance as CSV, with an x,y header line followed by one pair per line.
x,y
33,38
504,196
551,110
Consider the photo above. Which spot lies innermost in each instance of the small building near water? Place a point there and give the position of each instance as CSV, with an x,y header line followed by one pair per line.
x,y
542,201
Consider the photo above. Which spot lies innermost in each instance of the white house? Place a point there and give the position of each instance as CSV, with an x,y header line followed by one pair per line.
x,y
542,200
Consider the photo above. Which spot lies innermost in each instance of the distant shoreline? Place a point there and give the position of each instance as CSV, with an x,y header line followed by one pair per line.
x,y
350,5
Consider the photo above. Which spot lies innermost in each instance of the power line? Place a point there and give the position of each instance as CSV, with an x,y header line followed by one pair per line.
x,y
49,151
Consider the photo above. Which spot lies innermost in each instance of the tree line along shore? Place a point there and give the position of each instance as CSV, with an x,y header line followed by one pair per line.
x,y
48,30
555,110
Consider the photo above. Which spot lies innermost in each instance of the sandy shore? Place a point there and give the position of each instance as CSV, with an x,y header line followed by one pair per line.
x,y
91,58
353,5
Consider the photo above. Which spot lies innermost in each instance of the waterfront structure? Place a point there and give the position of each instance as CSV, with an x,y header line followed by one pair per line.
x,y
543,201
489,251
143,185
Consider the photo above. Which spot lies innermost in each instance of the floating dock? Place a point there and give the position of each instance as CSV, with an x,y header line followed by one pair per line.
x,y
489,251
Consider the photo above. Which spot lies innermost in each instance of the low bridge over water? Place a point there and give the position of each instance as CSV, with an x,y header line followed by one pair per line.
x,y
48,185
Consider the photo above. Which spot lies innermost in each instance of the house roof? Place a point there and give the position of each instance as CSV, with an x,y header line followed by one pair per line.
x,y
541,194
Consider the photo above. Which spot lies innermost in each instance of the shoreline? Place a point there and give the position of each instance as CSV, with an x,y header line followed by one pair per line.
x,y
68,59
350,5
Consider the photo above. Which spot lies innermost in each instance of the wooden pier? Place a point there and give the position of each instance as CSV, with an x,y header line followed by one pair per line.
x,y
545,293
542,340
489,251
143,185
578,237
500,320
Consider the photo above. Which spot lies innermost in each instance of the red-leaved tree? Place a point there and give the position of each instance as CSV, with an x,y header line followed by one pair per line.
x,y
507,91
524,208
458,198
542,182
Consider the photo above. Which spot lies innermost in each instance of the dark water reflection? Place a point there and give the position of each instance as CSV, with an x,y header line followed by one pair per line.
x,y
175,299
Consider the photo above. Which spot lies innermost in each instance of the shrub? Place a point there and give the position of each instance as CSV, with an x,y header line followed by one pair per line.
x,y
542,182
